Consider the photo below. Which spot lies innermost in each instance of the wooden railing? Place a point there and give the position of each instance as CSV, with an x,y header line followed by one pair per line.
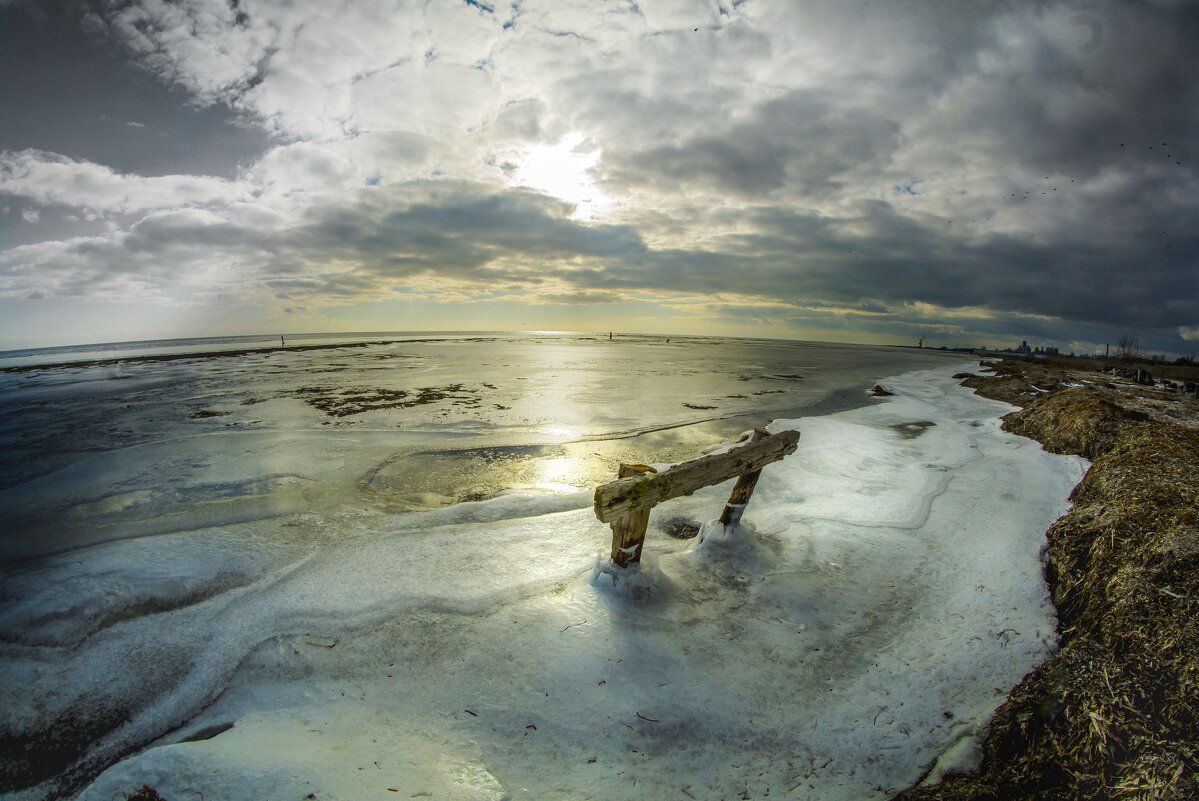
x,y
626,502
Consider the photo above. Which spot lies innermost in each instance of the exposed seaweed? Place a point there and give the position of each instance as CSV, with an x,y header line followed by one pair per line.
x,y
343,402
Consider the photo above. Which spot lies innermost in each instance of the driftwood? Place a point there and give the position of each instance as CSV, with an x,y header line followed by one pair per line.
x,y
625,503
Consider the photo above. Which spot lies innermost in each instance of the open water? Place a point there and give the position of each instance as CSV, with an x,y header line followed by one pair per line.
x,y
106,442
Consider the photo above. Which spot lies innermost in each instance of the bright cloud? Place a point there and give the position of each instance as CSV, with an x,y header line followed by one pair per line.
x,y
48,178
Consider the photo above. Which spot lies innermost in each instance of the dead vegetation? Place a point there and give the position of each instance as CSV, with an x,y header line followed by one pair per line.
x,y
343,402
1115,713
204,414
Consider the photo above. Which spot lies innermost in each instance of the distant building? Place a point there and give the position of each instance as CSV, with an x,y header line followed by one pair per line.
x,y
1024,349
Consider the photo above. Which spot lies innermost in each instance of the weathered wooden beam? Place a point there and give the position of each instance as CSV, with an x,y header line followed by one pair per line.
x,y
615,499
743,489
628,530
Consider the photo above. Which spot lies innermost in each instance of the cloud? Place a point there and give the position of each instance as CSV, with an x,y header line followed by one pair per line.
x,y
799,142
211,48
310,70
456,233
979,170
462,238
30,215
50,178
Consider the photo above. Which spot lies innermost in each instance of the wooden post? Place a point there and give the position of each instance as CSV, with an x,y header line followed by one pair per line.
x,y
628,530
744,488
626,502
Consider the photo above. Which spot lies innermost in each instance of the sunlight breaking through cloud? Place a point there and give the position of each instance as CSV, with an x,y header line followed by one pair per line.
x,y
565,170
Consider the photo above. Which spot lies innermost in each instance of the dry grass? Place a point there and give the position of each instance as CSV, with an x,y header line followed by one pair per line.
x,y
1080,422
1115,713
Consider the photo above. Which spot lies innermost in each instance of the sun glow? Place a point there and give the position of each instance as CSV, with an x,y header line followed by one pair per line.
x,y
566,170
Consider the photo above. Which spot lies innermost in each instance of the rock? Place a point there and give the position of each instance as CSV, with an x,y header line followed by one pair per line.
x,y
879,392
681,528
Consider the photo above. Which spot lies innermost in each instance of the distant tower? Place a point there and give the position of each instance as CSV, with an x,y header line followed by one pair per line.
x,y
920,344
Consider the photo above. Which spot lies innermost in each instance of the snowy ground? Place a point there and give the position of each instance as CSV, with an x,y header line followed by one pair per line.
x,y
882,598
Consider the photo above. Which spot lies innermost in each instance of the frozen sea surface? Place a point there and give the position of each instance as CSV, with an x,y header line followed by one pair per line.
x,y
882,596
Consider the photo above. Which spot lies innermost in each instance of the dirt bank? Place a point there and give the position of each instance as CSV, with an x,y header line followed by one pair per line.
x,y
1115,713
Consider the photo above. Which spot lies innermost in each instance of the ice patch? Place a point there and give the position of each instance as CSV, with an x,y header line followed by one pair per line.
x,y
640,582
319,754
508,506
62,600
963,756
718,541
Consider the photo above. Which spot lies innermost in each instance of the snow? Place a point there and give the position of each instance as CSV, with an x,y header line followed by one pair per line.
x,y
640,582
879,599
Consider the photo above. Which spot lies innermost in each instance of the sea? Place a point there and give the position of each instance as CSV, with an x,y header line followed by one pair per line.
x,y
356,566
100,442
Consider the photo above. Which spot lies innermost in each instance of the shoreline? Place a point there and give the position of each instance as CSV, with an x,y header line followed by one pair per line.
x,y
389,338
212,354
1114,713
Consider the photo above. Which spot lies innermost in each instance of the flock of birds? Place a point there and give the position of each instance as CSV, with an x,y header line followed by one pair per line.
x,y
1047,190
1028,193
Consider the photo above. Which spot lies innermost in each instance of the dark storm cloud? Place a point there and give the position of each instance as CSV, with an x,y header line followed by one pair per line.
x,y
984,108
801,142
881,255
504,242
1065,96
453,234
456,231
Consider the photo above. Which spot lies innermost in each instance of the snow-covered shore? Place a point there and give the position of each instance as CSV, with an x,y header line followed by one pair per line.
x,y
883,597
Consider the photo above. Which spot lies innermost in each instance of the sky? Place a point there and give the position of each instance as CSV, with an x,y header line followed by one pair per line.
x,y
858,171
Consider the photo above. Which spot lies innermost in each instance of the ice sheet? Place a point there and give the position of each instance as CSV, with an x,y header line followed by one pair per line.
x,y
882,596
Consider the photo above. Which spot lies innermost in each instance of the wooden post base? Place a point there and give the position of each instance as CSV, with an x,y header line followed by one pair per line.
x,y
628,530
